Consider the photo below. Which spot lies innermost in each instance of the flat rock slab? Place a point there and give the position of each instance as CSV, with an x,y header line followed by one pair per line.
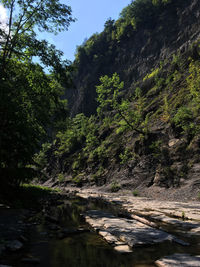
x,y
133,233
123,249
171,213
179,260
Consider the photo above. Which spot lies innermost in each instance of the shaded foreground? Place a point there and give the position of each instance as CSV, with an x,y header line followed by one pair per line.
x,y
58,235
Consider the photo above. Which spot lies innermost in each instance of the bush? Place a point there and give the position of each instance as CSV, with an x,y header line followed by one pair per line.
x,y
61,177
115,186
184,119
135,193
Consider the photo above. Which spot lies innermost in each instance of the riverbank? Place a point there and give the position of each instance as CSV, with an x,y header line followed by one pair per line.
x,y
144,221
109,223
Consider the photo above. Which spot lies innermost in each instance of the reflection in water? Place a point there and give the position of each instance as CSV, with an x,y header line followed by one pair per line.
x,y
87,249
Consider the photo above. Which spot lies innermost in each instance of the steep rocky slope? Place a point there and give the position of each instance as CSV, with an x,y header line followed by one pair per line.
x,y
147,142
171,29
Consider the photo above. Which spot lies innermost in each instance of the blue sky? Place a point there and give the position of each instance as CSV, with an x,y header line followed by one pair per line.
x,y
91,16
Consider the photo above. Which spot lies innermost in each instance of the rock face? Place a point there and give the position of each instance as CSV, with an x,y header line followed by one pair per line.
x,y
165,156
136,54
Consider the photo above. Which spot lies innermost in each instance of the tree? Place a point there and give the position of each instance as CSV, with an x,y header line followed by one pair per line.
x,y
25,18
109,97
29,98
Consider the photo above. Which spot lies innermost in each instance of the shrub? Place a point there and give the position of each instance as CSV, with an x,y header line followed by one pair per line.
x,y
135,193
126,156
184,119
155,148
61,177
115,186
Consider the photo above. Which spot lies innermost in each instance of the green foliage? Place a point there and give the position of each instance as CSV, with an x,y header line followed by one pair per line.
x,y
115,186
40,159
108,93
98,48
136,14
98,174
109,99
74,135
166,112
27,17
100,153
126,156
61,177
30,98
135,193
29,196
193,81
122,127
183,216
81,132
188,111
184,119
92,134
28,101
155,148
154,73
78,179
38,190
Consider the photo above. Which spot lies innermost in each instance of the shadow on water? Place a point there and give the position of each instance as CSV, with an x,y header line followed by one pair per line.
x,y
84,248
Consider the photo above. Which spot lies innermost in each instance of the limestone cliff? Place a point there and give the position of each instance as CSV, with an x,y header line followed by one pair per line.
x,y
167,32
160,149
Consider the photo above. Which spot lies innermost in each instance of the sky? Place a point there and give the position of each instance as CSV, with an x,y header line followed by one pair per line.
x,y
3,16
91,16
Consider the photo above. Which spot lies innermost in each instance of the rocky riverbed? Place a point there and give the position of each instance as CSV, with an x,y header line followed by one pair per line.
x,y
144,221
83,227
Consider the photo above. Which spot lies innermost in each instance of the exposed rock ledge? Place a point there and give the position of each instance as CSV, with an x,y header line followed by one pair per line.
x,y
121,232
148,224
179,260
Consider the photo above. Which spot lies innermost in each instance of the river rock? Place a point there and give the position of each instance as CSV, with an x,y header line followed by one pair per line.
x,y
173,142
123,249
131,232
111,239
14,245
183,216
179,260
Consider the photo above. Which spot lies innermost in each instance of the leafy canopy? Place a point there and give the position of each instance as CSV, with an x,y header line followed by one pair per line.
x,y
25,19
29,98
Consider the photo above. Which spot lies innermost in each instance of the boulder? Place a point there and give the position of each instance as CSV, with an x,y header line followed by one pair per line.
x,y
14,245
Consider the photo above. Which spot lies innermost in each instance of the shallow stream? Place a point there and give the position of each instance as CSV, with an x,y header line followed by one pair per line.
x,y
82,248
